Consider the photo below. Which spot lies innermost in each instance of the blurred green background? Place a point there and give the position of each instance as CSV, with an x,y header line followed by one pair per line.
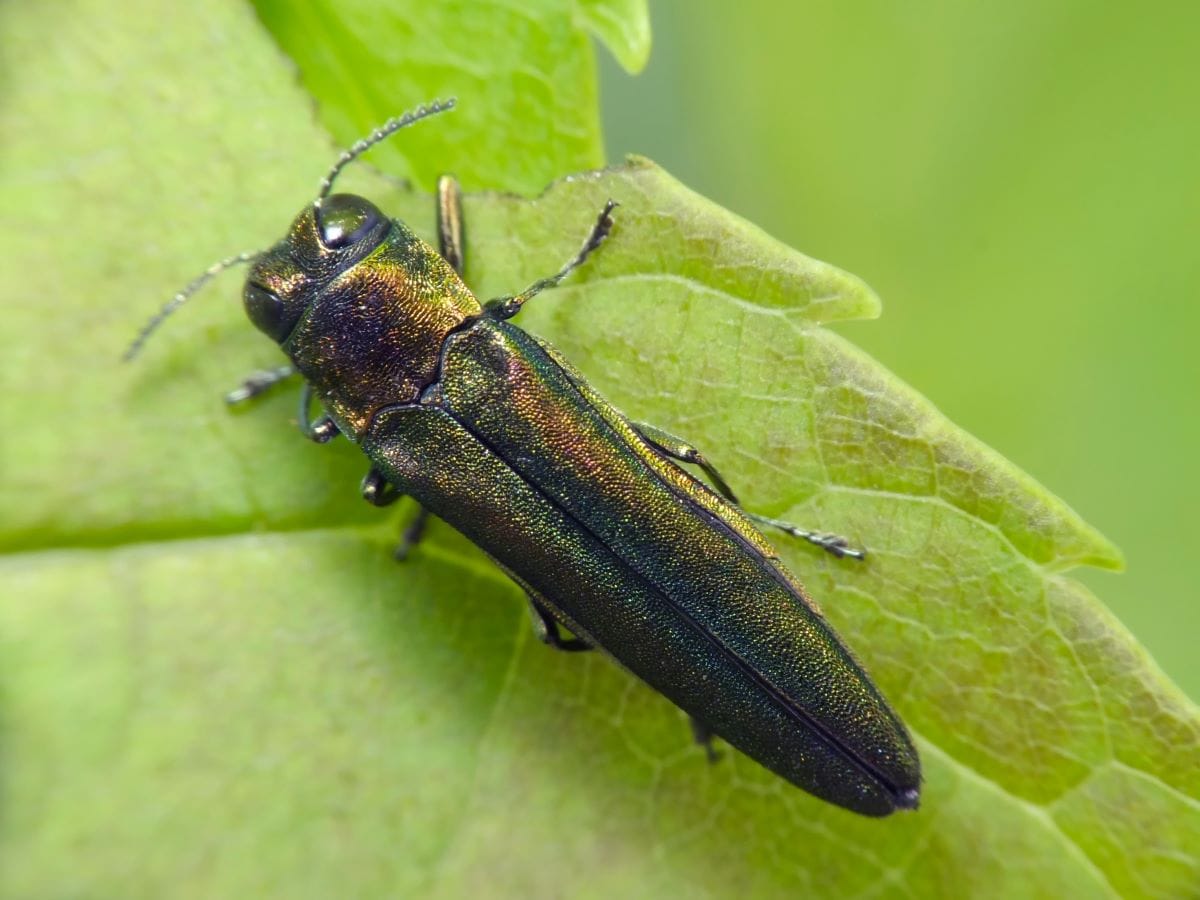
x,y
1020,182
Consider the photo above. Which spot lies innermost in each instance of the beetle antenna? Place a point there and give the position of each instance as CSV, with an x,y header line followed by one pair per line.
x,y
384,131
182,297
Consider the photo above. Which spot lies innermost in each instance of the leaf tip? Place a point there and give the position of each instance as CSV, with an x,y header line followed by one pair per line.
x,y
857,299
623,26
1106,555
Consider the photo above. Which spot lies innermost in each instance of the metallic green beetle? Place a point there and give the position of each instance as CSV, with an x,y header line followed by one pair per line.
x,y
494,432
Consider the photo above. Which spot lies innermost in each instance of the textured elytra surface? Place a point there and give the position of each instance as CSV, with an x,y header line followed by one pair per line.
x,y
214,680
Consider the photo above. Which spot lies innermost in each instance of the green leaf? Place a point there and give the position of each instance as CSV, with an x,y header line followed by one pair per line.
x,y
524,74
215,682
623,25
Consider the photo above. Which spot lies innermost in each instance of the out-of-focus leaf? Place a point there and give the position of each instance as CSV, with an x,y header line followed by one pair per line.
x,y
524,74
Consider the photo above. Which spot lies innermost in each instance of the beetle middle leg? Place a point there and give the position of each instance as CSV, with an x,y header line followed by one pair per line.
x,y
378,491
451,246
412,534
680,450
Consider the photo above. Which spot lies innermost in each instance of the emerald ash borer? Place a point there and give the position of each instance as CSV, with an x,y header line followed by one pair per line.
x,y
491,430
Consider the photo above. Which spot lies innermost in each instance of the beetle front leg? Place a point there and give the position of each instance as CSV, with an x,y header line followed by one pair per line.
x,y
546,627
451,246
259,382
450,222
680,450
506,307
319,430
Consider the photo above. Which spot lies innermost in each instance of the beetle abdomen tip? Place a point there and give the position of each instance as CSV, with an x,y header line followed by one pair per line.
x,y
908,799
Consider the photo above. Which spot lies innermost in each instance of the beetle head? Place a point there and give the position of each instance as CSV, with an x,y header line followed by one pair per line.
x,y
326,239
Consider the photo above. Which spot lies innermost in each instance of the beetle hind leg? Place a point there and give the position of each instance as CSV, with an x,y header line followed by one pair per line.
x,y
548,631
378,491
676,448
412,534
681,451
703,735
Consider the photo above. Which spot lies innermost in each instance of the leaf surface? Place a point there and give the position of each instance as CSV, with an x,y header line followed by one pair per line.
x,y
214,681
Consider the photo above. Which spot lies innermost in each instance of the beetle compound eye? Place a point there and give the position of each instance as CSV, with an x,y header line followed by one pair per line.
x,y
266,311
345,219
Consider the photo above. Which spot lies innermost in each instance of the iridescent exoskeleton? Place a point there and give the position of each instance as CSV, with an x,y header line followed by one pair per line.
x,y
492,431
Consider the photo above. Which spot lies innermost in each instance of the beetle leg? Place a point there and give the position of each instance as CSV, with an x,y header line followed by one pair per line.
x,y
450,221
258,383
703,735
412,534
376,489
506,307
546,627
678,449
320,429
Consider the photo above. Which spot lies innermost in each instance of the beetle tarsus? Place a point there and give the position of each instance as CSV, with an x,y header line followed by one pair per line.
x,y
834,544
258,383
